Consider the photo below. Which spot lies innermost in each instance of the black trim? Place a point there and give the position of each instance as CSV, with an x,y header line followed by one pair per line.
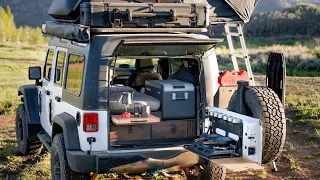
x,y
276,74
50,111
69,128
30,99
45,64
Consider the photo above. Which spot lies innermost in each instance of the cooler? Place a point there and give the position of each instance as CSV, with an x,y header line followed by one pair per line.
x,y
177,98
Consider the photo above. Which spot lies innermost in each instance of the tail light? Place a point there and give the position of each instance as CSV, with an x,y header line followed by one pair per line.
x,y
90,122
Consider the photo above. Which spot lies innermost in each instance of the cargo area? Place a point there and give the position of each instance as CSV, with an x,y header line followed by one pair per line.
x,y
168,87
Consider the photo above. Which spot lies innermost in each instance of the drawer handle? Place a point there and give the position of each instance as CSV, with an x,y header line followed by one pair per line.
x,y
173,128
129,129
184,97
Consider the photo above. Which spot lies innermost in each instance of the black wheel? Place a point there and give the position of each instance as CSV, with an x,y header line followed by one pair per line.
x,y
25,146
60,169
263,103
211,171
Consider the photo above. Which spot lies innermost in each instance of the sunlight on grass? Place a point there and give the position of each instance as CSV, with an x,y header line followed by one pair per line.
x,y
16,52
39,170
12,75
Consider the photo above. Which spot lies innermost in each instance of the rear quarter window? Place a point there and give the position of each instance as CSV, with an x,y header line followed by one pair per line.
x,y
74,76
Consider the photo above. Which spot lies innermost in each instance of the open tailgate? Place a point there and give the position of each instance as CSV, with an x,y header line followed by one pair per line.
x,y
232,140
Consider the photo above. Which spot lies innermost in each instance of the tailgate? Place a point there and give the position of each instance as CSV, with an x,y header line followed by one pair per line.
x,y
232,140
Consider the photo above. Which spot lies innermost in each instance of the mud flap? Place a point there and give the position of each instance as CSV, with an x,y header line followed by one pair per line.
x,y
276,74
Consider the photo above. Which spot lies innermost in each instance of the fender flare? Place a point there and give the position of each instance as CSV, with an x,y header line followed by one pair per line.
x,y
30,99
66,124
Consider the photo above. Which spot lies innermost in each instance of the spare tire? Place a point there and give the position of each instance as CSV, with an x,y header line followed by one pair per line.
x,y
263,103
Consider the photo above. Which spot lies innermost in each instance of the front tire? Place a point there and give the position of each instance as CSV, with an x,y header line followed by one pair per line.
x,y
60,169
263,103
25,146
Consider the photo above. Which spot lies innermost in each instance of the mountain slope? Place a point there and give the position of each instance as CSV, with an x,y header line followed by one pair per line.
x,y
31,13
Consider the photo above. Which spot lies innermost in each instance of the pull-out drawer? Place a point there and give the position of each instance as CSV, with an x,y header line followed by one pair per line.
x,y
143,133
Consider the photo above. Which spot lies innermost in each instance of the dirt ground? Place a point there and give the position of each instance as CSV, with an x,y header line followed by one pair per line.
x,y
293,164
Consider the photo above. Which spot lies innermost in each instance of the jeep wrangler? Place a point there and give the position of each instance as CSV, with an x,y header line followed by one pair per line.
x,y
135,98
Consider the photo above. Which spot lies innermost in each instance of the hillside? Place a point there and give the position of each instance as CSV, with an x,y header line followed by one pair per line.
x,y
286,22
34,13
31,13
275,5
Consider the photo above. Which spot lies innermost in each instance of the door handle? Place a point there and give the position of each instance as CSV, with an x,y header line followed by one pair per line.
x,y
58,99
47,92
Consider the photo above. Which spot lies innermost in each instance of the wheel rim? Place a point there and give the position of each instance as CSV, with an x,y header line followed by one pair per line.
x,y
57,168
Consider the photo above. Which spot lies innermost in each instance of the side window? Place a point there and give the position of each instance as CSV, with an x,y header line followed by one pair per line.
x,y
176,64
48,64
59,67
75,73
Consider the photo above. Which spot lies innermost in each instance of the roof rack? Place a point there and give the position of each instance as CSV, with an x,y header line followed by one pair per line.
x,y
82,33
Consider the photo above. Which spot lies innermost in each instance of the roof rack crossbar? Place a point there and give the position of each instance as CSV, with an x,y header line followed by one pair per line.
x,y
146,30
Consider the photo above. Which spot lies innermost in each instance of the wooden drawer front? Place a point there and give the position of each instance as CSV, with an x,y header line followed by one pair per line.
x,y
169,130
192,130
128,133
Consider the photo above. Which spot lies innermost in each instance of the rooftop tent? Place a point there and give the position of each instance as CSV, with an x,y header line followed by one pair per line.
x,y
233,10
221,10
229,10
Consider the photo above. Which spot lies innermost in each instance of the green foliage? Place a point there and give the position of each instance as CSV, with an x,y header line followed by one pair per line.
x,y
7,26
22,35
301,60
317,53
300,20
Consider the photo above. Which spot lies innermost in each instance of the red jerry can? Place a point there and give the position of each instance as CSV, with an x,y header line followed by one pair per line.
x,y
230,78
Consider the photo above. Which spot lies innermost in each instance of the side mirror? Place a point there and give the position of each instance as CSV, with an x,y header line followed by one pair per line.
x,y
35,73
58,75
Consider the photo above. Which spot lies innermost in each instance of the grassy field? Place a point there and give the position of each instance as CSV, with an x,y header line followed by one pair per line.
x,y
10,51
302,56
12,75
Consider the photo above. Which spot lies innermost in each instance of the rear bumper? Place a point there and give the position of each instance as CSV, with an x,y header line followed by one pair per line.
x,y
131,162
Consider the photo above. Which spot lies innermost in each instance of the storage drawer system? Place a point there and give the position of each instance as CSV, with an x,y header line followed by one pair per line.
x,y
144,132
177,98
